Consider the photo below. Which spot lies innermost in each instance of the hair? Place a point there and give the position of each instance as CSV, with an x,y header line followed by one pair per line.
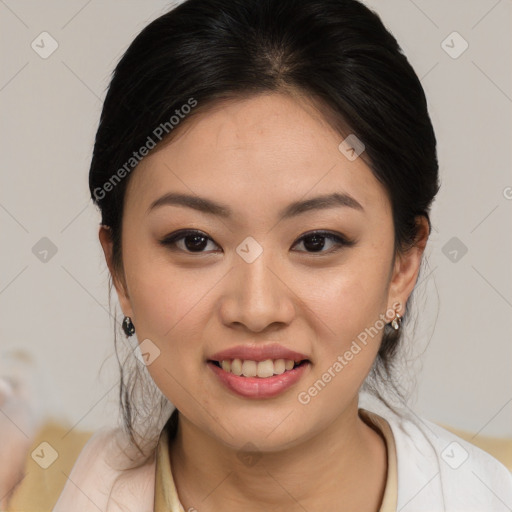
x,y
336,53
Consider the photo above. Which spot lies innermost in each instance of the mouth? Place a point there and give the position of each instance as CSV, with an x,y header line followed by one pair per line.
x,y
258,369
259,379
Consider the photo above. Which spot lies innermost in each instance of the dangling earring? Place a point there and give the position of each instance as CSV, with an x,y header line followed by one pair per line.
x,y
396,322
128,327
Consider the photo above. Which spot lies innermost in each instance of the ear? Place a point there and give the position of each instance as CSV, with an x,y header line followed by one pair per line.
x,y
406,268
119,281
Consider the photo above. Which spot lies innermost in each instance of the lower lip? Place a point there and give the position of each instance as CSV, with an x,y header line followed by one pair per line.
x,y
257,387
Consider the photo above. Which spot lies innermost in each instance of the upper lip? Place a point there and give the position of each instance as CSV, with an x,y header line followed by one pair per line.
x,y
258,353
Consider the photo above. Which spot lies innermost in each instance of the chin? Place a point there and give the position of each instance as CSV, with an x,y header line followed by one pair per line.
x,y
265,431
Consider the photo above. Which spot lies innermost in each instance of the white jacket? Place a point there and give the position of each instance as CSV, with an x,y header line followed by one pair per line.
x,y
440,472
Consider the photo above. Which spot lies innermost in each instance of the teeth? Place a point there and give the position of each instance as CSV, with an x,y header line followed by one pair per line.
x,y
236,367
265,368
261,369
249,368
279,366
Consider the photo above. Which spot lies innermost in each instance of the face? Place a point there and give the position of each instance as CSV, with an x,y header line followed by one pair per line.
x,y
269,266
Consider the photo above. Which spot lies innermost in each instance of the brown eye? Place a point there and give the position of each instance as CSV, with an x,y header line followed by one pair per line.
x,y
315,242
187,241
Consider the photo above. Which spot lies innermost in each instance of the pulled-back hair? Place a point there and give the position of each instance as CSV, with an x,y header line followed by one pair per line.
x,y
335,52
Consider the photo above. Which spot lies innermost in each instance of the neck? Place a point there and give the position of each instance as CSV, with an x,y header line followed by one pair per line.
x,y
320,473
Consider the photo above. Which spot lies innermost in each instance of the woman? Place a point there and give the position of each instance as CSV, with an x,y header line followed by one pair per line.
x,y
265,171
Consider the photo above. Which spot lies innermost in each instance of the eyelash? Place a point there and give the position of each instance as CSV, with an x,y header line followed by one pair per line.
x,y
171,240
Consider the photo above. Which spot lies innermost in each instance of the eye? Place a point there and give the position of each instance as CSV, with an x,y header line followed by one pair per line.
x,y
315,241
193,241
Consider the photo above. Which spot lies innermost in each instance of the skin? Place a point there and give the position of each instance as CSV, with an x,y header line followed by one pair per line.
x,y
258,155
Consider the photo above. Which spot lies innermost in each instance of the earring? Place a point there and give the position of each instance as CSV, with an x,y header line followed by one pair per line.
x,y
396,322
128,327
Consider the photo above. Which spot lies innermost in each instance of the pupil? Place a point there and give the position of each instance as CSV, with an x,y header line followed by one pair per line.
x,y
318,242
196,244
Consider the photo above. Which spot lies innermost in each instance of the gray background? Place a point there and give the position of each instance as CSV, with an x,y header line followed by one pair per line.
x,y
55,304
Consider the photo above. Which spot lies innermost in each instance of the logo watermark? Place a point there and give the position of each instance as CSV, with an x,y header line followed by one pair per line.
x,y
158,133
304,397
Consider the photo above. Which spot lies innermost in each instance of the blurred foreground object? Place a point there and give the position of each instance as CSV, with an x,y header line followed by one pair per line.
x,y
19,418
36,453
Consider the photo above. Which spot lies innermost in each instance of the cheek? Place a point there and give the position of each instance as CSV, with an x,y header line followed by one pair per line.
x,y
350,297
163,296
351,304
168,306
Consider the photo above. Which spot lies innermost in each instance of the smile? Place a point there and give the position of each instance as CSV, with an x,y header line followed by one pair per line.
x,y
259,379
261,369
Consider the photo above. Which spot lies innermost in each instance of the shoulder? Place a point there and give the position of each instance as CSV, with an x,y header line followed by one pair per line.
x,y
436,468
471,478
444,446
99,480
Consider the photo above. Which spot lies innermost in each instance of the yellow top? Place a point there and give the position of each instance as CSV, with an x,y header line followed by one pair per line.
x,y
390,498
166,495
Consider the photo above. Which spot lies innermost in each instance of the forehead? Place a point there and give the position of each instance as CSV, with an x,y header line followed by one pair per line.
x,y
261,152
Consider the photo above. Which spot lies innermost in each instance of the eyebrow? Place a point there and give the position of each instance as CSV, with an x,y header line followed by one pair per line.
x,y
208,206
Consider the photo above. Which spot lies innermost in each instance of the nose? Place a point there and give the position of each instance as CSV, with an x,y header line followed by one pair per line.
x,y
257,297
